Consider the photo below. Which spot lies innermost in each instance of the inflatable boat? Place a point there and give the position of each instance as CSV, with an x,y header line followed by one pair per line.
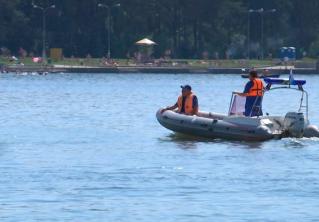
x,y
235,126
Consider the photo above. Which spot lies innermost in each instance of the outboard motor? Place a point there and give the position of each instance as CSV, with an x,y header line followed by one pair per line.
x,y
294,124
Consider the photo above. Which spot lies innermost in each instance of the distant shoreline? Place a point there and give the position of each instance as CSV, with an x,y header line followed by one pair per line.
x,y
96,65
149,69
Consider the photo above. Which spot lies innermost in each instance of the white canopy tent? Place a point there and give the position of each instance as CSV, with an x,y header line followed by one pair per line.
x,y
145,42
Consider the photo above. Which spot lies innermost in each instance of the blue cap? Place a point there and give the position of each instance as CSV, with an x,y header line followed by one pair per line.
x,y
188,87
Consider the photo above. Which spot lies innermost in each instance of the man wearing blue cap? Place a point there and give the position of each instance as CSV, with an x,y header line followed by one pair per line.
x,y
187,103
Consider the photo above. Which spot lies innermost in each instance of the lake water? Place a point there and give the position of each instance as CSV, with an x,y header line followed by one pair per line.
x,y
87,147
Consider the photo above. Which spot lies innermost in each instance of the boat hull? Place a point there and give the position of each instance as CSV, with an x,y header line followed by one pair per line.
x,y
216,126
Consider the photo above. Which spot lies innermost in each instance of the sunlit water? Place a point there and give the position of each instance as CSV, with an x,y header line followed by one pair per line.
x,y
87,147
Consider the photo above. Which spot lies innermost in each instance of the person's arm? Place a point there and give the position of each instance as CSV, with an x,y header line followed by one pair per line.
x,y
170,108
246,91
195,106
241,94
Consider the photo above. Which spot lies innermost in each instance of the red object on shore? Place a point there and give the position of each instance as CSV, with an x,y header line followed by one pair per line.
x,y
36,59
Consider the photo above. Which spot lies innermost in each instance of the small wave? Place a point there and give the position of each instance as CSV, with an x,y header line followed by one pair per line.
x,y
300,142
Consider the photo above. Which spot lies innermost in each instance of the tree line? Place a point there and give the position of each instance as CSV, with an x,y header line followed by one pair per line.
x,y
186,28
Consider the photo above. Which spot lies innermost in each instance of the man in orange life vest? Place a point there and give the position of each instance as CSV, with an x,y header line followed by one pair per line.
x,y
187,103
253,93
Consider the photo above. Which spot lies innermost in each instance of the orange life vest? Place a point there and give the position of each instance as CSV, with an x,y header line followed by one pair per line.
x,y
188,104
257,89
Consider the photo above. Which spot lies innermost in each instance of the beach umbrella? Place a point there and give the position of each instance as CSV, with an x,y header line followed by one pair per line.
x,y
145,42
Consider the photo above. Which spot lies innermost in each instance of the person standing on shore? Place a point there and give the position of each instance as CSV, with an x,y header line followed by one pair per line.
x,y
187,102
254,91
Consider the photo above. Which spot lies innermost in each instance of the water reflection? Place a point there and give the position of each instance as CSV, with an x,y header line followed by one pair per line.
x,y
191,142
246,145
182,141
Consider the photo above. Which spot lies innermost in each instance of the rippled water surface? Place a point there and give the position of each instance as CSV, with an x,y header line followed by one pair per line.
x,y
87,147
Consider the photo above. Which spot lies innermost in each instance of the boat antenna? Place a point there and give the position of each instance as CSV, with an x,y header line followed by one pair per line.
x,y
291,78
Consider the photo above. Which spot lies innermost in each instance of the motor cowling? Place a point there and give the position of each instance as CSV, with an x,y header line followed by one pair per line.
x,y
294,124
